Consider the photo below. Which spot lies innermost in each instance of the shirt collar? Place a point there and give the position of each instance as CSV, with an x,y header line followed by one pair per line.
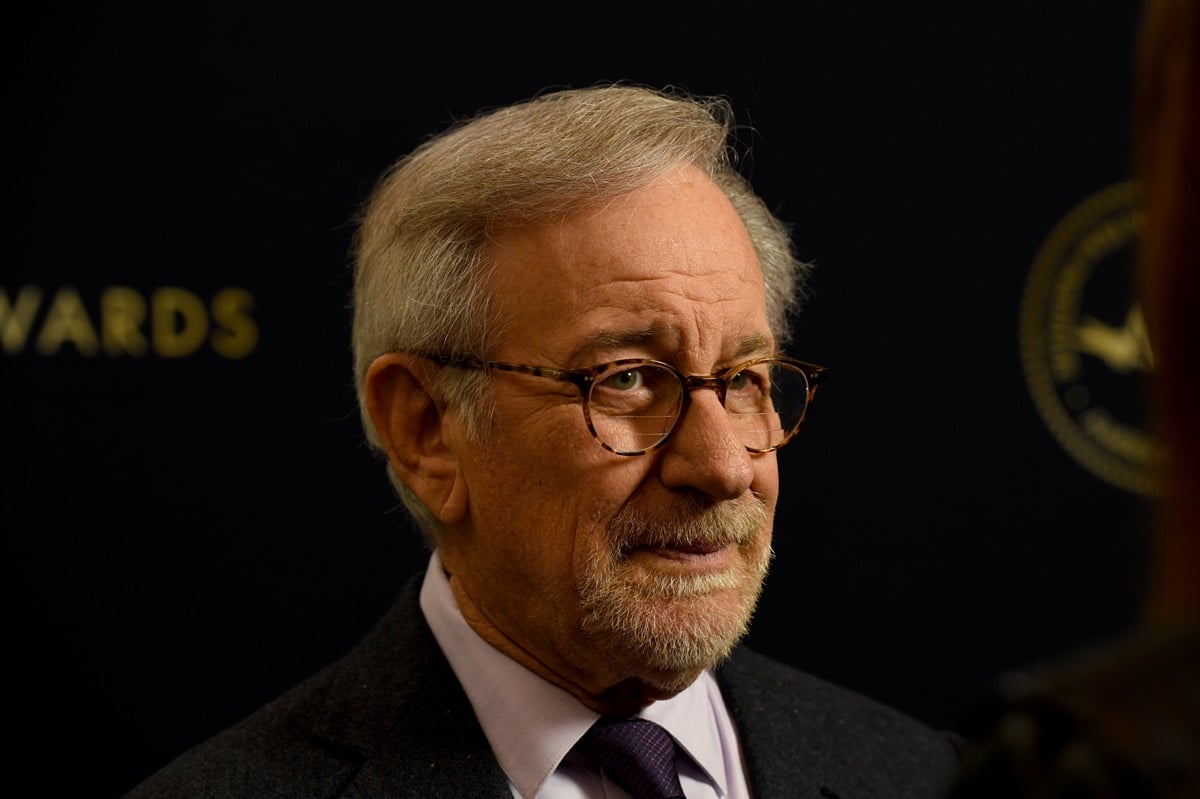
x,y
531,723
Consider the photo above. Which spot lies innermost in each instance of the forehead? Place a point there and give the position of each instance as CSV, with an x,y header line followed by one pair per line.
x,y
670,265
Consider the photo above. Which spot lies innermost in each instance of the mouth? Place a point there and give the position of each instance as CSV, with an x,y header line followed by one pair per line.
x,y
687,537
692,555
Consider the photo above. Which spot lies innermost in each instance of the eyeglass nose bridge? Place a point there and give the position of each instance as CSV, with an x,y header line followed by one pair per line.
x,y
690,383
693,382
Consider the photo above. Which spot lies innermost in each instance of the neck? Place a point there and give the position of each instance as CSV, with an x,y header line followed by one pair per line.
x,y
607,693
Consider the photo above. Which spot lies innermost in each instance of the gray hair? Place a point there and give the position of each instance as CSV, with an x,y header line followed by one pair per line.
x,y
421,280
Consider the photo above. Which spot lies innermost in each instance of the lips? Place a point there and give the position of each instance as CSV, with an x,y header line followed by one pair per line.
x,y
688,556
698,549
684,546
693,529
696,535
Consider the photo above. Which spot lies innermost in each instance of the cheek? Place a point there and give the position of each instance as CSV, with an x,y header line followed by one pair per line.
x,y
530,504
766,479
557,521
542,490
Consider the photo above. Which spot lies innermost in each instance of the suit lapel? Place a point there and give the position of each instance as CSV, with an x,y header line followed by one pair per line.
x,y
787,754
805,738
395,706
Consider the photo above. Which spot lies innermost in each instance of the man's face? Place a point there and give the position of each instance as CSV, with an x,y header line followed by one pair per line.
x,y
597,570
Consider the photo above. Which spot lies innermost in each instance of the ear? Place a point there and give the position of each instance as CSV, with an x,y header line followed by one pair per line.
x,y
409,421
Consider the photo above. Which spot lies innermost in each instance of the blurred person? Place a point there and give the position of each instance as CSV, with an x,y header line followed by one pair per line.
x,y
1123,718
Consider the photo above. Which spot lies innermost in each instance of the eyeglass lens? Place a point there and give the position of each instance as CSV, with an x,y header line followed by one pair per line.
x,y
634,408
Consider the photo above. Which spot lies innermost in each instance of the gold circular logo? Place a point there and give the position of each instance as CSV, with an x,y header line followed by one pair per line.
x,y
1084,348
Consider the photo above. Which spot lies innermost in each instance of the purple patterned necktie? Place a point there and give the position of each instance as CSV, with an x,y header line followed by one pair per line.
x,y
637,754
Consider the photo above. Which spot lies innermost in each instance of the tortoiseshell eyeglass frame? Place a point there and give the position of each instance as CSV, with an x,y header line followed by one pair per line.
x,y
585,378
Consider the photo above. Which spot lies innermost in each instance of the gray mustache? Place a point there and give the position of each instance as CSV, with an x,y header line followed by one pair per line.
x,y
690,523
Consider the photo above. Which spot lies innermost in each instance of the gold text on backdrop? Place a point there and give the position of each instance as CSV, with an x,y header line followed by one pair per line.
x,y
168,322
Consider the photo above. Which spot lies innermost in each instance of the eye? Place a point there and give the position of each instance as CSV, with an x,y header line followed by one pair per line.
x,y
627,380
748,390
753,380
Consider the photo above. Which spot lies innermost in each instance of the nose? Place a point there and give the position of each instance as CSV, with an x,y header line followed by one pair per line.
x,y
704,453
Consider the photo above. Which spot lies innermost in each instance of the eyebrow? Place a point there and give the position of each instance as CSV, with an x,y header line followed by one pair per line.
x,y
616,340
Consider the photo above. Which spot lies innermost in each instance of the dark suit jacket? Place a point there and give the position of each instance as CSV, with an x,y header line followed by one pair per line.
x,y
390,719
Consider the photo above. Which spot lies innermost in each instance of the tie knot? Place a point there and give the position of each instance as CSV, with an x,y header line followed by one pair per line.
x,y
637,754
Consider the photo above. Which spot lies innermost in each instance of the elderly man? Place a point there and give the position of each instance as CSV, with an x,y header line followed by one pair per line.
x,y
569,321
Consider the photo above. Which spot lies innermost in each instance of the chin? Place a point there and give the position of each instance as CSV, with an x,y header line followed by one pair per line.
x,y
670,628
664,618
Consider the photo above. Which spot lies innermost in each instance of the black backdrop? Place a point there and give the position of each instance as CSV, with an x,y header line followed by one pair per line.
x,y
191,523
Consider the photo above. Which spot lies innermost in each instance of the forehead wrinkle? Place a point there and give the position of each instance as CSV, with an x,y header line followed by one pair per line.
x,y
696,273
610,340
667,337
628,274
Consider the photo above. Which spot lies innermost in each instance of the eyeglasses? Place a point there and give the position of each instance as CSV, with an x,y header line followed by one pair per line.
x,y
633,405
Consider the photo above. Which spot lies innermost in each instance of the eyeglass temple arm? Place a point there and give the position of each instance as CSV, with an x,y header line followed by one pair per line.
x,y
581,380
815,374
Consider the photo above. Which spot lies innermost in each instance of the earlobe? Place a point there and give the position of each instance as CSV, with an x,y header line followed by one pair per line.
x,y
409,422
